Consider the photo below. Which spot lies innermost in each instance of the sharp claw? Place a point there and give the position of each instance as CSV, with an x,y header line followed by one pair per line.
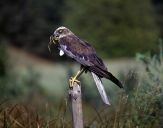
x,y
72,80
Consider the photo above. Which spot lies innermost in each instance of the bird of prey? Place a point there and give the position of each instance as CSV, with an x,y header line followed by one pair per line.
x,y
74,47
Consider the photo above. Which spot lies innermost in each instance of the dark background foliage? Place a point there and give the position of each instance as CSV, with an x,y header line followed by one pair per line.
x,y
115,28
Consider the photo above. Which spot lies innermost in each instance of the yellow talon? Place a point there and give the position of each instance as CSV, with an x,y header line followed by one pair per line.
x,y
72,80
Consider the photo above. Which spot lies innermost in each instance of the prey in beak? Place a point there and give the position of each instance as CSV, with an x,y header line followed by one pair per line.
x,y
53,40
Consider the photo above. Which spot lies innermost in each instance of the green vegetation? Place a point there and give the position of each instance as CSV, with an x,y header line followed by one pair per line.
x,y
15,86
116,28
29,23
140,105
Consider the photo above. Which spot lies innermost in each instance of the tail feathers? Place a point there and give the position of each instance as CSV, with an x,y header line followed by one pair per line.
x,y
114,80
100,88
104,73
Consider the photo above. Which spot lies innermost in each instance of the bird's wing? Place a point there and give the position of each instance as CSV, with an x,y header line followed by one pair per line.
x,y
81,51
100,88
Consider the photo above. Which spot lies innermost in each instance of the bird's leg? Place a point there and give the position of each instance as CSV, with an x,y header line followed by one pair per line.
x,y
74,79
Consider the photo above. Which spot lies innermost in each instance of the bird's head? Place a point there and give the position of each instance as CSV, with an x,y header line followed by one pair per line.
x,y
58,34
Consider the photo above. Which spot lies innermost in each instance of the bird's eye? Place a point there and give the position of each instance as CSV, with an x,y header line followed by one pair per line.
x,y
60,31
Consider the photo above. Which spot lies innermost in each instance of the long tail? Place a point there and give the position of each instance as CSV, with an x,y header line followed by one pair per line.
x,y
104,73
100,88
114,80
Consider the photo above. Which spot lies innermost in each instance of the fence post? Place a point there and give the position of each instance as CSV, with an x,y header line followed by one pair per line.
x,y
76,105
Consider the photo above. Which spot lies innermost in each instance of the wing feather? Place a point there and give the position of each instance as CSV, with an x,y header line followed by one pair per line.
x,y
77,49
81,51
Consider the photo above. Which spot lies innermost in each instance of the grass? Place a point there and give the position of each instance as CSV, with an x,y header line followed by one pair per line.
x,y
139,106
20,116
54,76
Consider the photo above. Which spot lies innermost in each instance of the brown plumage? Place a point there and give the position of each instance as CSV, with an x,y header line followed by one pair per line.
x,y
82,52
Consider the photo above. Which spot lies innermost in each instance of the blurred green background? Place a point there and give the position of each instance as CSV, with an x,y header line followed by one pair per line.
x,y
34,83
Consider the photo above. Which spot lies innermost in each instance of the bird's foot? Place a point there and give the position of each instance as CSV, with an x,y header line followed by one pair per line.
x,y
72,80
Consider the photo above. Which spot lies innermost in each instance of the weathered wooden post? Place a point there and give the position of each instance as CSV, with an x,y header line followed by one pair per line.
x,y
76,105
